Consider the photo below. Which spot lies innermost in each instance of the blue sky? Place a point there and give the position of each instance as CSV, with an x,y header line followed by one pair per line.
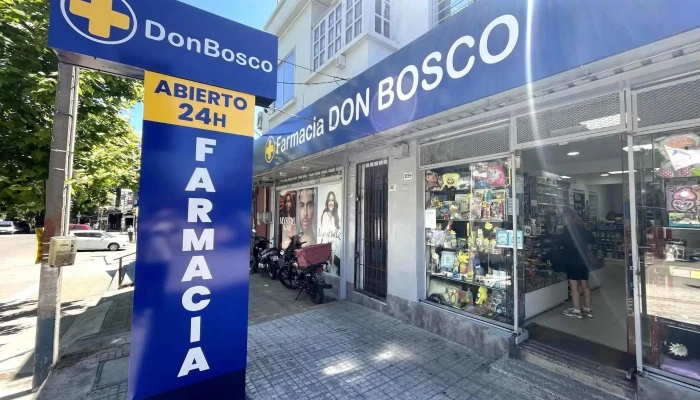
x,y
249,12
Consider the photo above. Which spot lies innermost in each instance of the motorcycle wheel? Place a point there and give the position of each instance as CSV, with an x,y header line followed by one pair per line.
x,y
286,278
317,295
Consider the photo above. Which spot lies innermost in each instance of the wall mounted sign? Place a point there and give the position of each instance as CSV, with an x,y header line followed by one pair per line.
x,y
480,51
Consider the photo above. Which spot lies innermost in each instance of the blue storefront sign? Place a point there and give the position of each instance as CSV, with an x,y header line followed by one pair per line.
x,y
126,37
485,49
203,77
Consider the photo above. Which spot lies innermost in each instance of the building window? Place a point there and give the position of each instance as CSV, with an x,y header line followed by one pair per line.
x,y
335,30
320,44
285,81
353,19
327,35
443,9
382,17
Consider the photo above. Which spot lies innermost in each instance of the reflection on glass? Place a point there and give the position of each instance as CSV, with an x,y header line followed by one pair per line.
x,y
668,206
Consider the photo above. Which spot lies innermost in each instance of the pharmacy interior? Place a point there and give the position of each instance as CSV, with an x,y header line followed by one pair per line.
x,y
471,249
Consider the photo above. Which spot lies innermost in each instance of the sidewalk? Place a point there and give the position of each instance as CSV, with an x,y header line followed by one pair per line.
x,y
334,351
83,288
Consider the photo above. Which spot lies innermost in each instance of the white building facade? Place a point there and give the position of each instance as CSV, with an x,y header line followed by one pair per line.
x,y
332,41
445,148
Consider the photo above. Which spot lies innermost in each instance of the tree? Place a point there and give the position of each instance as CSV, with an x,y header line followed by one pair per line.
x,y
106,150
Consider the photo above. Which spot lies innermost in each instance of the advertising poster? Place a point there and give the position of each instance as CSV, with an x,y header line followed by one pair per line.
x,y
287,217
306,216
330,224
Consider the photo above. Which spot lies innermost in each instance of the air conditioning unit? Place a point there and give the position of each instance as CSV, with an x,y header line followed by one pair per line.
x,y
340,61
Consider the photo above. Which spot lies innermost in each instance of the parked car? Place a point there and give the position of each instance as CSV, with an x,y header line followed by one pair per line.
x,y
99,240
7,227
22,227
79,227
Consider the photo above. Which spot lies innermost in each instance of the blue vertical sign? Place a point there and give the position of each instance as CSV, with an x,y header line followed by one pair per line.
x,y
189,332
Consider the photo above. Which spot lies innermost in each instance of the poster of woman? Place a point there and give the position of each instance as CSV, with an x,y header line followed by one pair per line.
x,y
287,216
330,224
306,223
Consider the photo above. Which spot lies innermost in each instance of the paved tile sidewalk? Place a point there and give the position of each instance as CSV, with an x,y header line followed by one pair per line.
x,y
334,351
346,351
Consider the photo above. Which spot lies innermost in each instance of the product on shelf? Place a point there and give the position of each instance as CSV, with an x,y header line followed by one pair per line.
x,y
680,156
433,181
684,220
450,181
682,198
482,296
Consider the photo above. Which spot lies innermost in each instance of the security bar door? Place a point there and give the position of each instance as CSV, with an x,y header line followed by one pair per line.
x,y
371,228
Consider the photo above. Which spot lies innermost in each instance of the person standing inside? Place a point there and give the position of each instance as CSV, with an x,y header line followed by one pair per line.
x,y
574,243
130,232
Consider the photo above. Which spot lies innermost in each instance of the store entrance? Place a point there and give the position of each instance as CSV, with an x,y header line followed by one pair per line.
x,y
574,219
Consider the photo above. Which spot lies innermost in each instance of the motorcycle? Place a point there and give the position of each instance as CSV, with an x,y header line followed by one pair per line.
x,y
269,262
286,274
310,279
259,246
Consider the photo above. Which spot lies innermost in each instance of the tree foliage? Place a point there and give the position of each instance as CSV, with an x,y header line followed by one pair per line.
x,y
106,149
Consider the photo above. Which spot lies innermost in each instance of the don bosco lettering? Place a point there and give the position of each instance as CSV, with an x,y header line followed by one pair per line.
x,y
195,298
437,68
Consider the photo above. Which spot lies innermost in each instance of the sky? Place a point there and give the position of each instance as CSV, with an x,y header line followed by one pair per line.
x,y
253,13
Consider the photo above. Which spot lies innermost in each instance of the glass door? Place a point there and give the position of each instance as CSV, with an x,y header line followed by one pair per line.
x,y
667,190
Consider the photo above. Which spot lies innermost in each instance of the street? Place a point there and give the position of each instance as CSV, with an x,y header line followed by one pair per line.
x,y
82,286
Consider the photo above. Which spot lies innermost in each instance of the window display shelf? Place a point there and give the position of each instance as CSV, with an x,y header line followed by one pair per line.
x,y
472,220
551,185
454,191
475,239
499,281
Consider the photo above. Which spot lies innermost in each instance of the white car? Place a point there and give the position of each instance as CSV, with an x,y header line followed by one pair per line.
x,y
99,240
7,227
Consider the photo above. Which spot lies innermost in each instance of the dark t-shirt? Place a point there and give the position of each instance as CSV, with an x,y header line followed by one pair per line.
x,y
574,243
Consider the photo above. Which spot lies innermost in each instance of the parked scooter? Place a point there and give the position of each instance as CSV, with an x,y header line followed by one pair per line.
x,y
269,262
259,246
287,274
310,279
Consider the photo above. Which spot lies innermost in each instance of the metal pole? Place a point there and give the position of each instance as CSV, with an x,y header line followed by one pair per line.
x,y
71,146
514,279
49,302
635,257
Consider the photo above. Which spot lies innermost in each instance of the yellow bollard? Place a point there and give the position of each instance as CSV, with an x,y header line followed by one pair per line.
x,y
39,235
